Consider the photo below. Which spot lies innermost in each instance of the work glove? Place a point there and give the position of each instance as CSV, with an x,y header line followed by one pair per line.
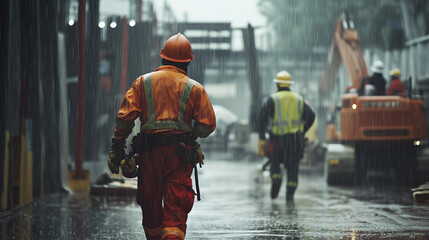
x,y
129,166
117,153
261,147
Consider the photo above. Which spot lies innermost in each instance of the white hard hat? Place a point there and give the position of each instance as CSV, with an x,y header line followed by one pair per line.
x,y
283,77
377,66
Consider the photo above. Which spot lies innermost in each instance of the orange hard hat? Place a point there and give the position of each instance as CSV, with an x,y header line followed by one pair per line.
x,y
177,49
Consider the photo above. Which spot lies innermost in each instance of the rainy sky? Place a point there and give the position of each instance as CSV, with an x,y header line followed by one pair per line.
x,y
205,11
201,11
238,12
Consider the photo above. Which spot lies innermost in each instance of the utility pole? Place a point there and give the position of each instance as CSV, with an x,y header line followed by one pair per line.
x,y
251,56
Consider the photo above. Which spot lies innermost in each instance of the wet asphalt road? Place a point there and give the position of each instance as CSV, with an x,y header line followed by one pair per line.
x,y
235,205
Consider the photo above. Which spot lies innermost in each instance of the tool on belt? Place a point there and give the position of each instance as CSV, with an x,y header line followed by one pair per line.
x,y
189,151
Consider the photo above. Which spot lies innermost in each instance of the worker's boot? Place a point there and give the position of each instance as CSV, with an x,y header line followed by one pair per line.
x,y
290,192
275,187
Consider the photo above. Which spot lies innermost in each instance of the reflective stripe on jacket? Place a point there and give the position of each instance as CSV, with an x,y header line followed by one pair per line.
x,y
288,109
166,101
166,123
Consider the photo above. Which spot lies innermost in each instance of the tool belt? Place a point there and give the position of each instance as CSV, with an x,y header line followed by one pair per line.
x,y
142,142
186,148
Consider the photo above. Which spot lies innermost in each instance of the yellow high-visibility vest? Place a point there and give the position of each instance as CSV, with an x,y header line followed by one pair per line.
x,y
288,110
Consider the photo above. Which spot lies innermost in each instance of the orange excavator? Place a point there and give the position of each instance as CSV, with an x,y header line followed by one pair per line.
x,y
375,132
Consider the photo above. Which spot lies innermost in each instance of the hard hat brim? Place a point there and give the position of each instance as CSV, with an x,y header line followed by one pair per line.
x,y
283,81
377,70
175,60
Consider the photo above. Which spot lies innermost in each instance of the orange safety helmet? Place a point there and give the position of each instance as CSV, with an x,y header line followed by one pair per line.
x,y
177,49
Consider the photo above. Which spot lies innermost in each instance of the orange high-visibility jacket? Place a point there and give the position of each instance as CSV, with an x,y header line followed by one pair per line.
x,y
166,101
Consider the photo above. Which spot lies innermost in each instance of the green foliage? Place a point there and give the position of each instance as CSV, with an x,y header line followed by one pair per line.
x,y
306,24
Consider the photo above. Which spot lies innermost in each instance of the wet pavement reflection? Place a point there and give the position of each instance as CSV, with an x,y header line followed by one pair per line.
x,y
235,204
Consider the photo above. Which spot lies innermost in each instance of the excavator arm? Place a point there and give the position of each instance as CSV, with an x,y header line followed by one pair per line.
x,y
344,48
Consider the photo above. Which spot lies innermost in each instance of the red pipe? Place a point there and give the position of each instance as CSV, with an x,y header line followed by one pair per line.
x,y
80,89
124,54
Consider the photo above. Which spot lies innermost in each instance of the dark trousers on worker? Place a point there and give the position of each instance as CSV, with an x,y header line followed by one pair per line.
x,y
287,149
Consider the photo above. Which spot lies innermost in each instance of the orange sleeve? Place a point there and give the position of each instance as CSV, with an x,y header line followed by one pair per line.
x,y
131,108
203,114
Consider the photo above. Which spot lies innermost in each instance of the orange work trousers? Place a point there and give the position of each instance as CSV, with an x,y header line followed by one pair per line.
x,y
165,193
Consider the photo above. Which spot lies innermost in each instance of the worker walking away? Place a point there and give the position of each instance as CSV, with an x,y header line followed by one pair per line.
x,y
376,79
290,118
174,110
396,86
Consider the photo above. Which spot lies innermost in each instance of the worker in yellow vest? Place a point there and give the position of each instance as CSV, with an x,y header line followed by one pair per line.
x,y
290,118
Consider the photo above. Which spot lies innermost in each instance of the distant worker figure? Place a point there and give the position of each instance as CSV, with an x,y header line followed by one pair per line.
x,y
174,110
376,79
396,86
291,118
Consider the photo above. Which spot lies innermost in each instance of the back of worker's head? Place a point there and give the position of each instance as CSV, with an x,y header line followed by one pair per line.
x,y
283,79
395,73
377,67
177,51
181,65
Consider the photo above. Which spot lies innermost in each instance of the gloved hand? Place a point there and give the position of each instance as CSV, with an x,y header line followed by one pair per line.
x,y
261,147
129,166
117,153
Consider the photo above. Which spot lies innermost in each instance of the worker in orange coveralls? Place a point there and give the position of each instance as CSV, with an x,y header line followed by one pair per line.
x,y
166,101
396,86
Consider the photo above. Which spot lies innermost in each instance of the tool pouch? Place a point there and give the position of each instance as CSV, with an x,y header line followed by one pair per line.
x,y
197,154
191,154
